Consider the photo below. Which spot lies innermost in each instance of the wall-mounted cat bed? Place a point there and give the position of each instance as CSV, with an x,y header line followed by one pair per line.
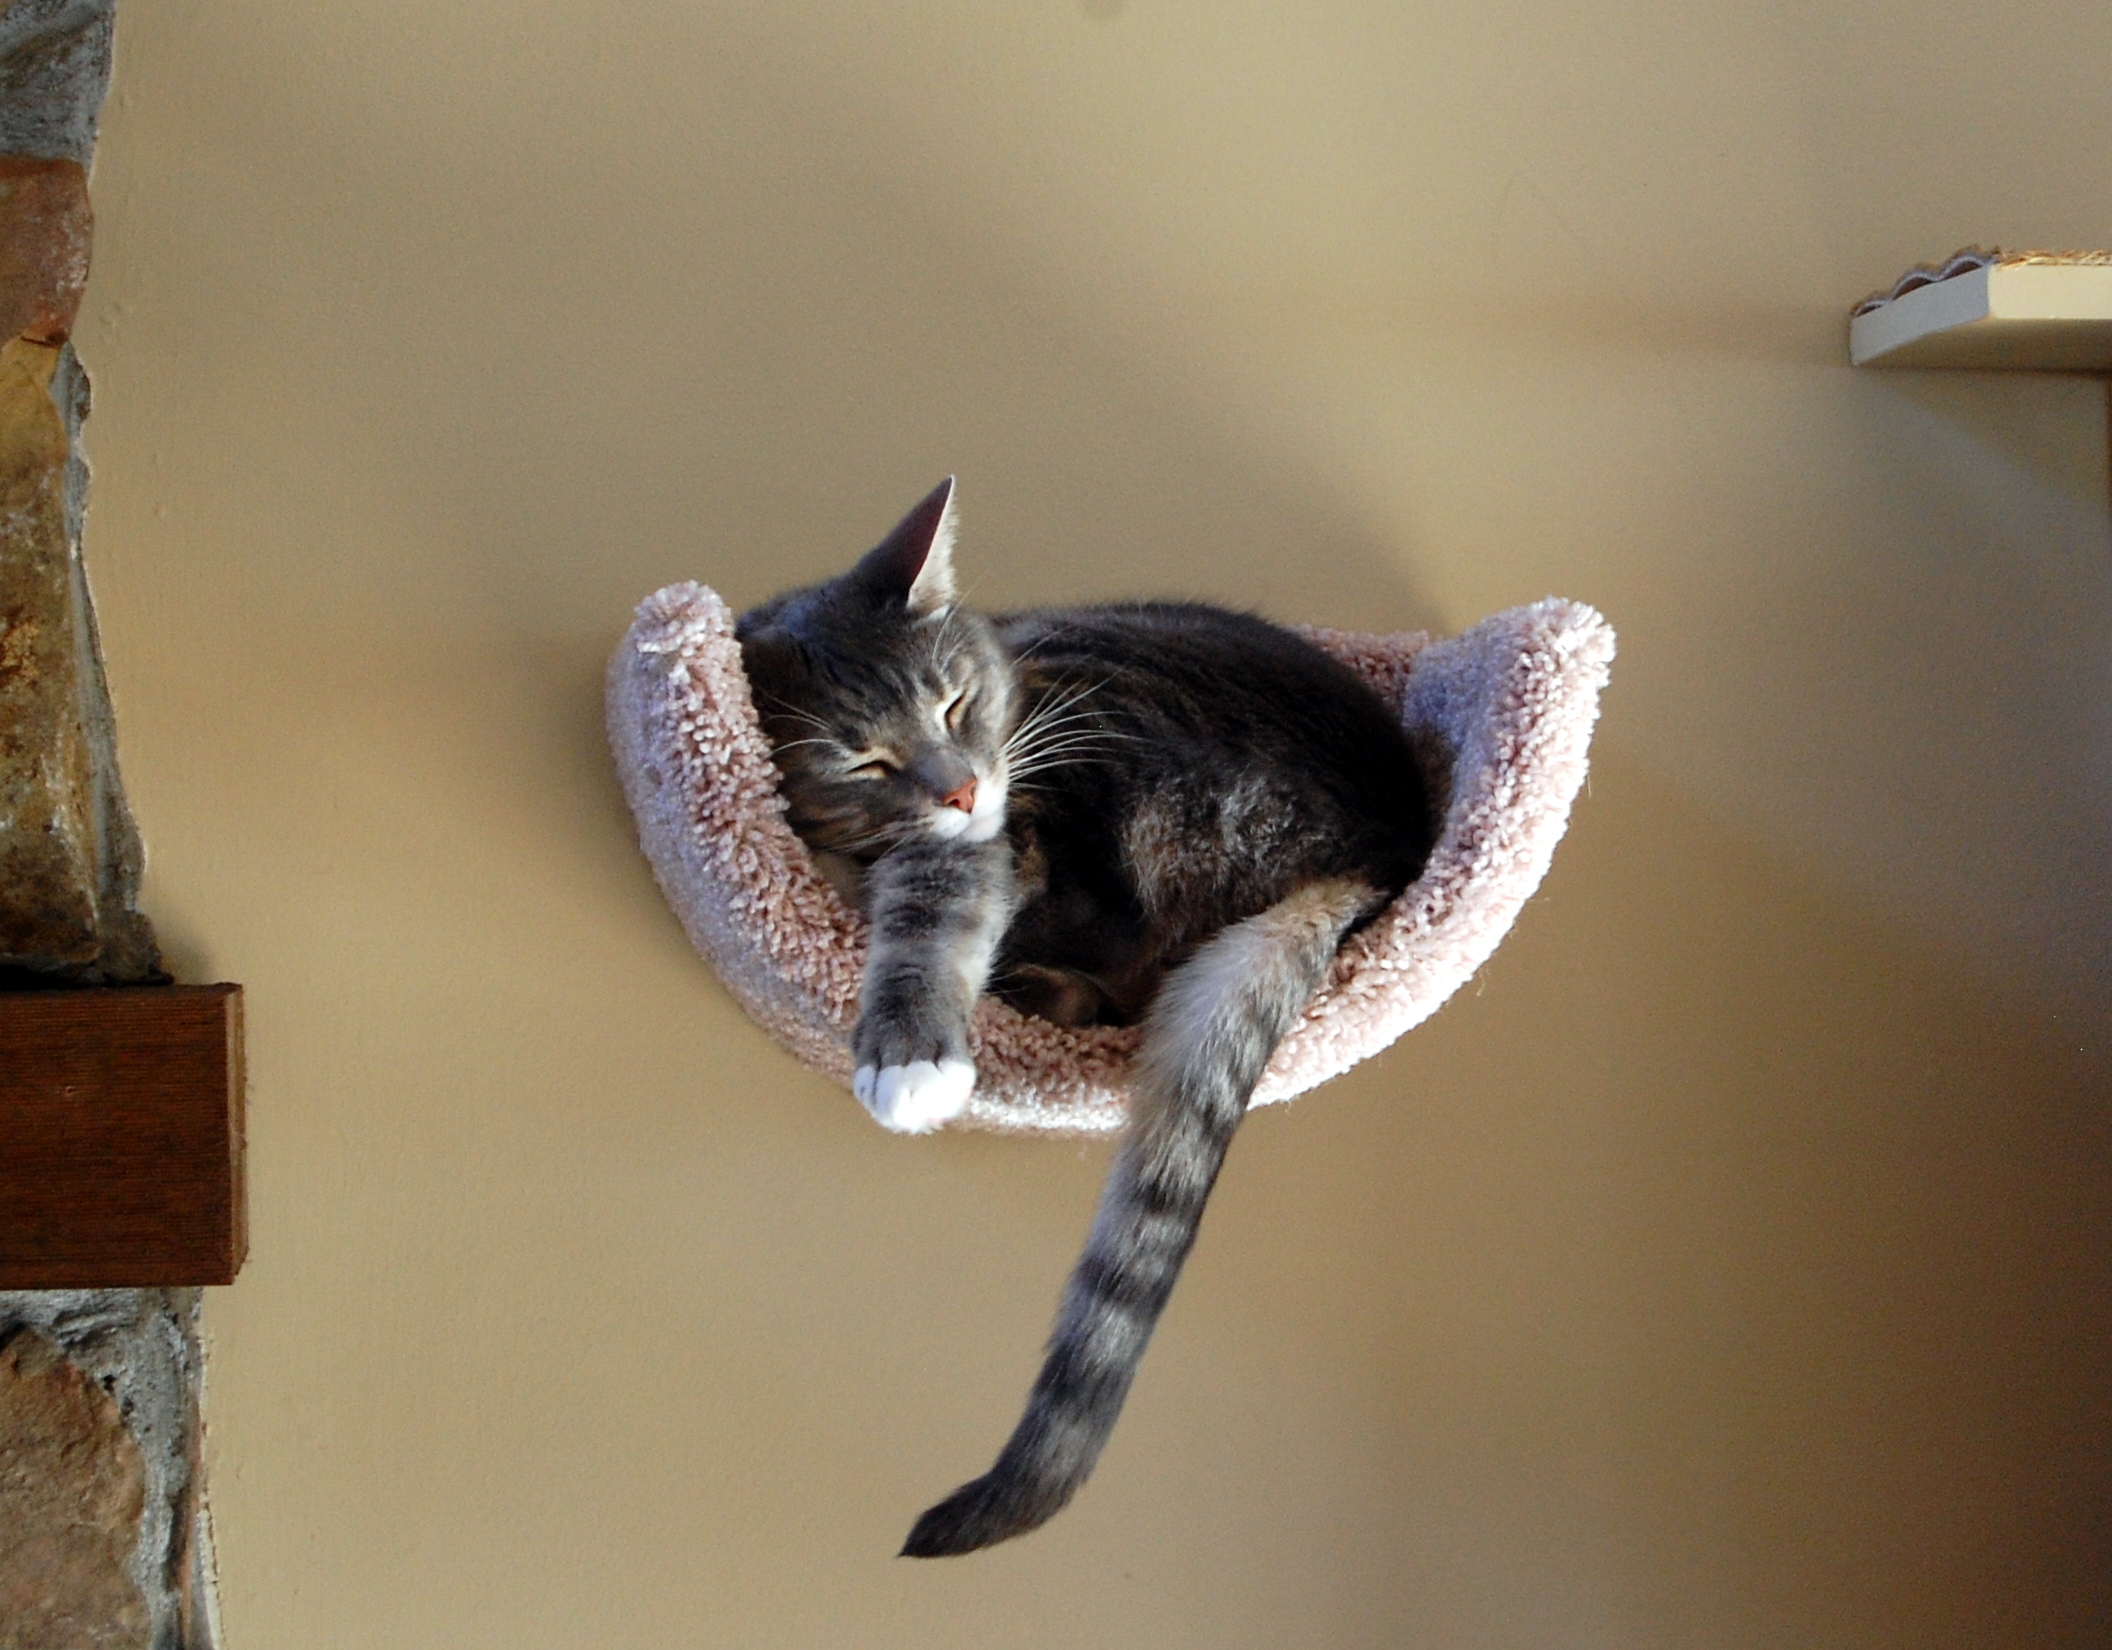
x,y
1504,713
1987,309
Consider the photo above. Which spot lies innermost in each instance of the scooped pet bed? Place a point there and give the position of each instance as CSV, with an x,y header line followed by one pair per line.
x,y
1501,714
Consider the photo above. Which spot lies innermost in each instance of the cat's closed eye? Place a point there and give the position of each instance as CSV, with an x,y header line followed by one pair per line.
x,y
876,768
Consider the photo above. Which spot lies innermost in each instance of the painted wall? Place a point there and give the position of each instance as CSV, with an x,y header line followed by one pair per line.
x,y
1726,1267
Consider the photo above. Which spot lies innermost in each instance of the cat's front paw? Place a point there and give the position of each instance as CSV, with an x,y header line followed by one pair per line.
x,y
917,1097
912,1066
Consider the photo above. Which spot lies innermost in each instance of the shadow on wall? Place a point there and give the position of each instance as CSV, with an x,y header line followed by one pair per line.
x,y
1740,1274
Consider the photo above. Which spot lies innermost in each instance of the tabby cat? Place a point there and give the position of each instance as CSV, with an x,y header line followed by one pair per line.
x,y
1148,812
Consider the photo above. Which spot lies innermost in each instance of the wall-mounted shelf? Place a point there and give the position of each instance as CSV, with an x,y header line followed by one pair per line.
x,y
1989,310
121,1151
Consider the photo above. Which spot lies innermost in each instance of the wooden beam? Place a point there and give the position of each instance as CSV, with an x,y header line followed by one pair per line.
x,y
121,1151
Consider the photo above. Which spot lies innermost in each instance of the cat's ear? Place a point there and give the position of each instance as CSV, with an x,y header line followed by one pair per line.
x,y
914,563
770,659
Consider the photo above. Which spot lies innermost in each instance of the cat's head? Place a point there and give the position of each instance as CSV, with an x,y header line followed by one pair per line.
x,y
887,704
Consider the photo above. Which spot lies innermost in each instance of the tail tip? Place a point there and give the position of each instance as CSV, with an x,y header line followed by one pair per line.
x,y
977,1515
956,1525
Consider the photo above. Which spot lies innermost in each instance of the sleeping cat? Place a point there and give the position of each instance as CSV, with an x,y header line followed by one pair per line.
x,y
1149,812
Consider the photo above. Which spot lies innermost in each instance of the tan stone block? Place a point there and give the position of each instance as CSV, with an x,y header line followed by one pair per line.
x,y
69,855
72,1489
46,228
47,829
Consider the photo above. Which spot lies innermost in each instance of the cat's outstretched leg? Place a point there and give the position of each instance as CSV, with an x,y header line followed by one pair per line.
x,y
938,910
1207,1038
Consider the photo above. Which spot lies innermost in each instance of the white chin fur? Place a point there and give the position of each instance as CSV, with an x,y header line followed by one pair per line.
x,y
989,816
916,1098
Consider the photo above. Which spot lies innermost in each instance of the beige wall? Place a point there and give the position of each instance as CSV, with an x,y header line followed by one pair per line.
x,y
1727,1267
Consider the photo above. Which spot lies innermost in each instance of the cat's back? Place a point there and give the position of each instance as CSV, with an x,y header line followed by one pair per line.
x,y
1196,704
1175,643
1207,674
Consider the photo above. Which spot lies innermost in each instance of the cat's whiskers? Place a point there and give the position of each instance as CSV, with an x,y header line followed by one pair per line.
x,y
787,709
1050,715
890,833
1043,739
1065,757
1069,759
1073,727
1072,740
1070,727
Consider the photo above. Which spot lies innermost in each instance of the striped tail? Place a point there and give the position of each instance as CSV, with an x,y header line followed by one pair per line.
x,y
1210,1033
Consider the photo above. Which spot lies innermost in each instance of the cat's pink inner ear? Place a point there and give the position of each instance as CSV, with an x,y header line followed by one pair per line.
x,y
915,561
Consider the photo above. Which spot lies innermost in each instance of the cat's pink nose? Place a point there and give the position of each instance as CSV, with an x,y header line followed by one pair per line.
x,y
963,799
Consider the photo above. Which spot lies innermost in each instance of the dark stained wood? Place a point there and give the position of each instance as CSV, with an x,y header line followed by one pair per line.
x,y
121,1137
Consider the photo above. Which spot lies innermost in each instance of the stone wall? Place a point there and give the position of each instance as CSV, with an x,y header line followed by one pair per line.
x,y
69,855
103,1541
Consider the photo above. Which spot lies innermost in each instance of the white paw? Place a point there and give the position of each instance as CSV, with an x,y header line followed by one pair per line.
x,y
916,1098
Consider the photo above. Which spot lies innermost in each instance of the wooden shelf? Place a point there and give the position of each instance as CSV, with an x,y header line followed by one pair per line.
x,y
121,1150
2035,314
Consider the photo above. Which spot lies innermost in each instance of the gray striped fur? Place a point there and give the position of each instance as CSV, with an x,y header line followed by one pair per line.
x,y
1148,812
938,910
1209,1034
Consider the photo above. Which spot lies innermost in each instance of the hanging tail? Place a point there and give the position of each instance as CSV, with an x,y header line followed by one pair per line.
x,y
1216,1021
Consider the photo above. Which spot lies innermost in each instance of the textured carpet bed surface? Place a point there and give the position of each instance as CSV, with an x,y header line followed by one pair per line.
x,y
1502,715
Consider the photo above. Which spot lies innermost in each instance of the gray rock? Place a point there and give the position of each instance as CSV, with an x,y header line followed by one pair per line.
x,y
54,69
99,1470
